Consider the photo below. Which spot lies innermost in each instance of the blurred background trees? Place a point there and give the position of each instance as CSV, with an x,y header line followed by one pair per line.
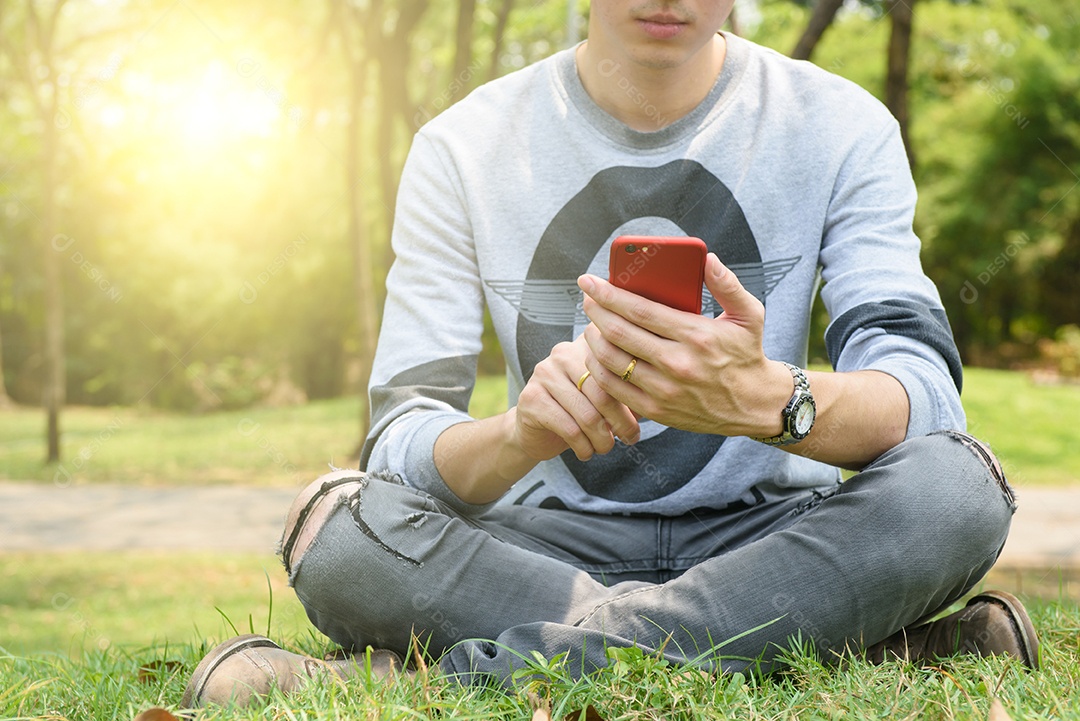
x,y
196,197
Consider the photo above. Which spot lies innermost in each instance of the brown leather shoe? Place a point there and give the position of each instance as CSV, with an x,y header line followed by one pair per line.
x,y
992,623
246,668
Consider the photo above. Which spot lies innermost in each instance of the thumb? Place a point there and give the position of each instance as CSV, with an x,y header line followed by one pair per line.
x,y
738,303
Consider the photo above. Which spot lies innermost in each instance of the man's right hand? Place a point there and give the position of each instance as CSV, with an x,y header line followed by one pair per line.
x,y
480,460
552,414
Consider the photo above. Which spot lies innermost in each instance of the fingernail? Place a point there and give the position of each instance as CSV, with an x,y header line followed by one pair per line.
x,y
586,283
718,268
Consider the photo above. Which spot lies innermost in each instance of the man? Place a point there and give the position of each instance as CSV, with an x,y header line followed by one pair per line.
x,y
662,479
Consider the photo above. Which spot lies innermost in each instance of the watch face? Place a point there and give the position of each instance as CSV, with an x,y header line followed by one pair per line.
x,y
804,417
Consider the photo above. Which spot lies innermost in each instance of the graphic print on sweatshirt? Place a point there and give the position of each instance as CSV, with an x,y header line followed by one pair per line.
x,y
548,301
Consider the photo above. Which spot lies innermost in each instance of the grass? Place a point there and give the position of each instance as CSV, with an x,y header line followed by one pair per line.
x,y
75,628
1027,425
104,681
71,602
285,447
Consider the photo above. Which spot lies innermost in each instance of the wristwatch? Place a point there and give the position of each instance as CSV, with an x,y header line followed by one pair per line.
x,y
799,413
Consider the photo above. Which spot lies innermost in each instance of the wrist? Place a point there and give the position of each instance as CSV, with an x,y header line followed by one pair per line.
x,y
773,395
798,413
512,461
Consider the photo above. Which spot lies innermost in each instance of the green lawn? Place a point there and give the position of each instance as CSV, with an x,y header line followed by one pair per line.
x,y
70,602
102,618
1028,425
76,627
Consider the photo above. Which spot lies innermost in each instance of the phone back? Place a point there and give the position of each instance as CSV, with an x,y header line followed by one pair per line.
x,y
668,270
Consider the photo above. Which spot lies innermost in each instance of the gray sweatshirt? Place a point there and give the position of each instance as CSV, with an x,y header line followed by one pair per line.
x,y
791,175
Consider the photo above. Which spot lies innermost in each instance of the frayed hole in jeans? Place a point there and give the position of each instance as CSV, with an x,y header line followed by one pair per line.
x,y
982,451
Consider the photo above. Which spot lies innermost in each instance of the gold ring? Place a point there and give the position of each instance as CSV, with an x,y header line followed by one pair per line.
x,y
581,380
629,369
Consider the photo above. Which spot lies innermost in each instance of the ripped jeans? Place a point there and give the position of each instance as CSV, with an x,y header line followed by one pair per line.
x,y
897,543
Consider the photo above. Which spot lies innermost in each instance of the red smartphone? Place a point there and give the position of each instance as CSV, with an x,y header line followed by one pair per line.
x,y
664,269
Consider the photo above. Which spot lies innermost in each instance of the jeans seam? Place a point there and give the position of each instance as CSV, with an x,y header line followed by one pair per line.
x,y
596,609
983,453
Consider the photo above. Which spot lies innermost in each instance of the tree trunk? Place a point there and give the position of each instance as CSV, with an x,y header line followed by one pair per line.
x,y
349,18
47,103
55,390
733,22
395,56
501,22
459,85
5,399
896,80
820,20
359,239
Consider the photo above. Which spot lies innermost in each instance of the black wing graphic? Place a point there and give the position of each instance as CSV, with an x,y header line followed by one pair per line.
x,y
547,302
558,302
759,278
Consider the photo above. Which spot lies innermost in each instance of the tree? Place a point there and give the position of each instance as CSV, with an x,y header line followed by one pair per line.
x,y
462,50
34,64
396,108
350,22
896,77
820,20
498,36
5,399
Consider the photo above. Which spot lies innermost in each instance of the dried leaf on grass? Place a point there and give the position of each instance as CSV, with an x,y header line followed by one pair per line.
x,y
541,707
998,712
154,670
542,711
156,714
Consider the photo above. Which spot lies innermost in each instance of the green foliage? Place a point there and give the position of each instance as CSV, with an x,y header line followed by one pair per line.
x,y
1063,352
999,211
995,106
203,208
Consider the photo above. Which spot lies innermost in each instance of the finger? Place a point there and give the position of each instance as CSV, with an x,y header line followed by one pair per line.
x,y
591,433
625,392
738,303
622,338
624,424
654,317
611,356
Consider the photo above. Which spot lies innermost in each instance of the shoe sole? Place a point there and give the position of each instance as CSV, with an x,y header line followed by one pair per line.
x,y
205,669
1021,621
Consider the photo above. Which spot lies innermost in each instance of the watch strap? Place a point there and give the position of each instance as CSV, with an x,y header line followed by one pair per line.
x,y
802,387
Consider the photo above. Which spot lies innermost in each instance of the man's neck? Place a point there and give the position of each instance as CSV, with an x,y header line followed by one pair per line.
x,y
648,99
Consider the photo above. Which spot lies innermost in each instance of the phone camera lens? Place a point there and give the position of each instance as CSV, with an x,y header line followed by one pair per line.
x,y
631,248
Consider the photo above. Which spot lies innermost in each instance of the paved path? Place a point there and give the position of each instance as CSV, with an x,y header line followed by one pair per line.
x,y
36,517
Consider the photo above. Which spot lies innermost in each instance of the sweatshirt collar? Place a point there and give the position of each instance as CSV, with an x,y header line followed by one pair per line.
x,y
616,130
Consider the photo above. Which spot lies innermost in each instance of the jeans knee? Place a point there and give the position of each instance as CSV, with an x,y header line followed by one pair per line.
x,y
959,487
367,544
310,510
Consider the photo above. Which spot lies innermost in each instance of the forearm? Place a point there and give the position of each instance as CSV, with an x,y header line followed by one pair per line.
x,y
479,461
860,415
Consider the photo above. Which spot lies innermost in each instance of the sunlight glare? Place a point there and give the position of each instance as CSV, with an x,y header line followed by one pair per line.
x,y
203,112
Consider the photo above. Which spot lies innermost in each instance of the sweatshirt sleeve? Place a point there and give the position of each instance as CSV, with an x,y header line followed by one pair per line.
x,y
886,314
425,363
